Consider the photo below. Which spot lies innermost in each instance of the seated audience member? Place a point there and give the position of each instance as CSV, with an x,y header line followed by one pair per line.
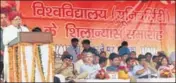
x,y
133,54
141,70
161,55
124,48
155,61
103,54
165,67
37,29
149,62
89,67
103,62
148,57
123,60
129,62
115,60
79,62
66,68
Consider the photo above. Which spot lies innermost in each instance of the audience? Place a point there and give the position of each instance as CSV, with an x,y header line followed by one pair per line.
x,y
89,67
115,60
73,49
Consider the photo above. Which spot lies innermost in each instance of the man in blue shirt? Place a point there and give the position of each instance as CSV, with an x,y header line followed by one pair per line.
x,y
114,61
123,49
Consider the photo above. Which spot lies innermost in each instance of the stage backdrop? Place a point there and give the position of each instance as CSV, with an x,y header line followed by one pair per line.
x,y
148,26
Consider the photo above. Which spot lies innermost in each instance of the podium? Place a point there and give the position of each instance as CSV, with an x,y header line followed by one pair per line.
x,y
31,58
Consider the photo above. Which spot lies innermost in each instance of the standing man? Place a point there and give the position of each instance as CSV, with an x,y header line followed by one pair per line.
x,y
73,49
3,24
88,48
10,33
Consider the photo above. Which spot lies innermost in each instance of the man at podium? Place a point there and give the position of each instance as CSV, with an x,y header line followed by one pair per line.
x,y
10,33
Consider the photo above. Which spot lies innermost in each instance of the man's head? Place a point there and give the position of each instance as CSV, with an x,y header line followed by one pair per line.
x,y
142,59
96,59
86,43
67,58
133,54
74,42
124,43
115,59
148,56
80,56
155,59
37,29
3,19
103,54
160,56
129,61
88,57
124,57
103,62
15,18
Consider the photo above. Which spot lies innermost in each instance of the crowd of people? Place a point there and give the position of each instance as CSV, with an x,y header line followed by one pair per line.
x,y
89,62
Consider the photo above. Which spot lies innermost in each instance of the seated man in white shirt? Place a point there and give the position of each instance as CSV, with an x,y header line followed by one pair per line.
x,y
141,70
89,67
